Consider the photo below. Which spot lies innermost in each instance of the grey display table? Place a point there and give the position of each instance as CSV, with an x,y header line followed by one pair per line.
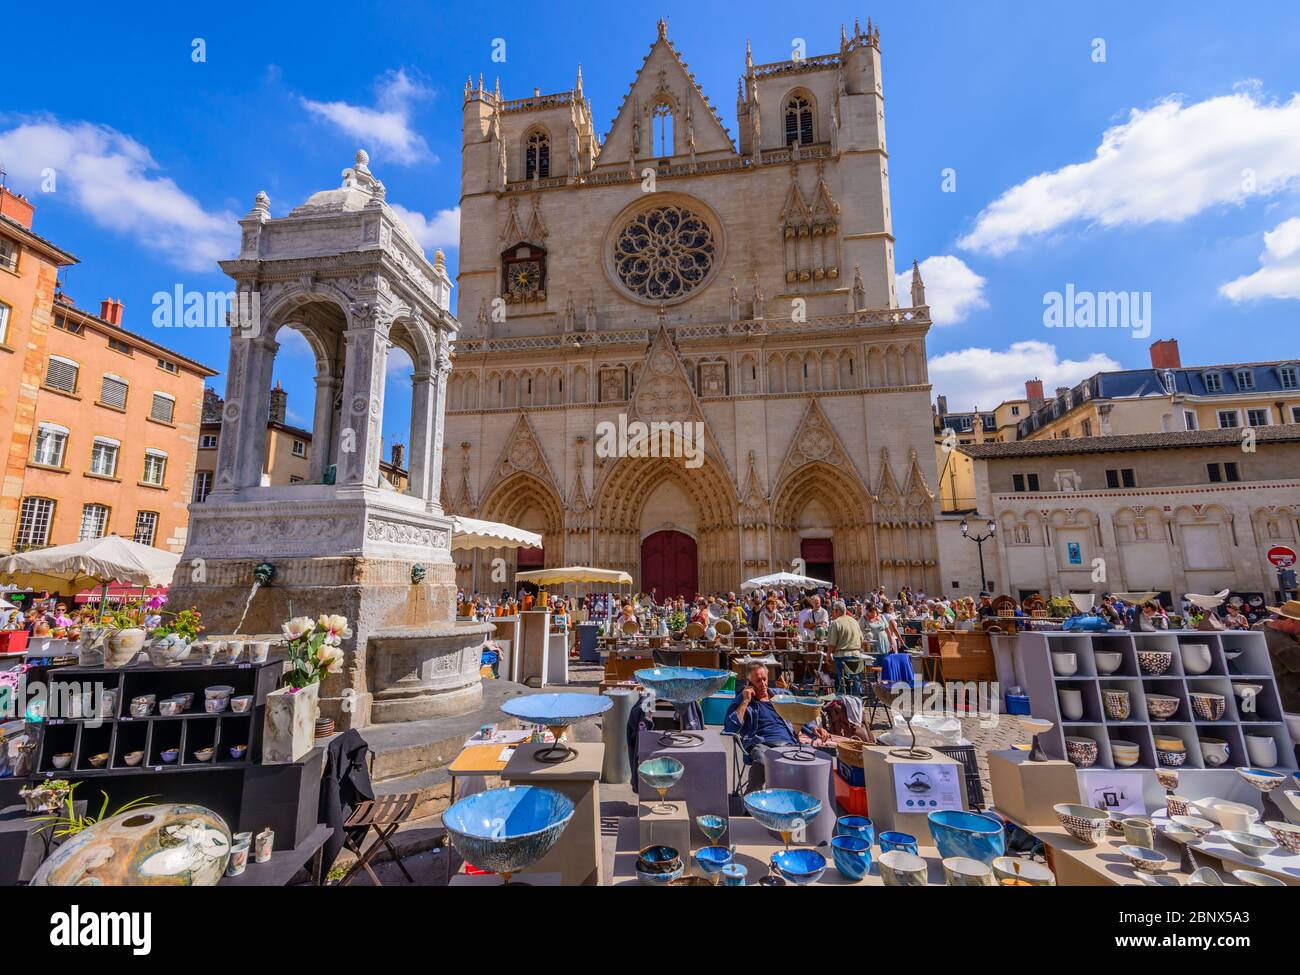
x,y
703,786
811,775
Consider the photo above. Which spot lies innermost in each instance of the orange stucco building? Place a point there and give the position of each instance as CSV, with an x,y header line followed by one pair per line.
x,y
101,425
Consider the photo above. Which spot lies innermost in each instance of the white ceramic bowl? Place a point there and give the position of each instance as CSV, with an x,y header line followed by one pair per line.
x,y
1065,663
1248,843
1254,878
1108,661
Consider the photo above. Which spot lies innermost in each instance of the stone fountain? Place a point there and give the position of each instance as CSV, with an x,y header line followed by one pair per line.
x,y
344,271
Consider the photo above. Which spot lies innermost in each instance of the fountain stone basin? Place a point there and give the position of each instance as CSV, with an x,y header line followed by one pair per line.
x,y
428,670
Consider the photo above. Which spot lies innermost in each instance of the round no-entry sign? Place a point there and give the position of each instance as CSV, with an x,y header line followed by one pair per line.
x,y
1281,556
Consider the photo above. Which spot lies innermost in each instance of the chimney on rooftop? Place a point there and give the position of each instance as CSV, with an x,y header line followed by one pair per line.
x,y
1164,354
279,403
943,405
110,310
399,455
1034,392
16,207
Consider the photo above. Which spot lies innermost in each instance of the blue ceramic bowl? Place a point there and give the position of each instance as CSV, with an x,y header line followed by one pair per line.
x,y
859,826
505,830
556,710
715,825
734,874
711,859
892,840
799,866
782,809
682,685
658,859
660,879
958,833
663,772
852,856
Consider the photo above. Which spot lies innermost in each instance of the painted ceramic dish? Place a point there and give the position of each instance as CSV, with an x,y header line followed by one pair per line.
x,y
556,710
1287,835
506,830
1082,752
800,867
1116,703
1085,823
1208,707
1153,663
1143,859
1162,707
682,685
782,810
852,856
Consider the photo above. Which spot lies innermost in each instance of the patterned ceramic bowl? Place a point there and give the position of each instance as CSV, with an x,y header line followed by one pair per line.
x,y
1162,707
1082,752
1117,704
1286,834
1145,860
1199,826
1085,823
1176,805
1125,753
1153,663
1171,759
1208,707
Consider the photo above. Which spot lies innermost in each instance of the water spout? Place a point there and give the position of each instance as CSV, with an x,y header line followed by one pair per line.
x,y
262,576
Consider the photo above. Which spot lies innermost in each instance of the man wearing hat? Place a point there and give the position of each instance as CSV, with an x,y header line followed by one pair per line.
x,y
1283,635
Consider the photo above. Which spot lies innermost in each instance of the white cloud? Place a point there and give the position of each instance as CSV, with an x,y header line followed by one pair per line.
x,y
440,230
951,288
386,127
1279,272
112,179
1164,164
983,378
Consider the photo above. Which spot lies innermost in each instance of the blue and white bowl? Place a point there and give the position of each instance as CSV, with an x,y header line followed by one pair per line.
x,y
782,810
852,856
556,710
859,826
958,833
800,867
506,830
711,859
682,685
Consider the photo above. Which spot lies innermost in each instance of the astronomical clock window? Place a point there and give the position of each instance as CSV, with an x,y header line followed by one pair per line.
x,y
537,156
664,254
523,274
798,121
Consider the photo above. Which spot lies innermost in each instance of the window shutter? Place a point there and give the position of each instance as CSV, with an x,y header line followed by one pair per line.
x,y
113,392
62,375
163,408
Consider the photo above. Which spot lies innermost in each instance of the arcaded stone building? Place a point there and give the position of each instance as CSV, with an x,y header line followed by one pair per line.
x,y
670,272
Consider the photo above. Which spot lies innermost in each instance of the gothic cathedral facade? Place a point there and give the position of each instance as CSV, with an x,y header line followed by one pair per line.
x,y
671,274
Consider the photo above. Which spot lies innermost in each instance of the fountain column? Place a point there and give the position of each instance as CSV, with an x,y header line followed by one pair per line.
x,y
359,439
243,419
424,394
322,429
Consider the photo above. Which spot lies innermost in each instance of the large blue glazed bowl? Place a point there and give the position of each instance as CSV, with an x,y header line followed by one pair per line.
x,y
958,833
711,859
505,830
799,866
852,856
683,685
556,710
894,840
782,809
663,772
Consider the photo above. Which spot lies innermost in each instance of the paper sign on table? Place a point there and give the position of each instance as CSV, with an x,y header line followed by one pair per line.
x,y
926,788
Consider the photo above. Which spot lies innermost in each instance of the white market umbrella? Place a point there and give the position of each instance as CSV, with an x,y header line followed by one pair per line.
x,y
473,533
96,561
784,579
573,573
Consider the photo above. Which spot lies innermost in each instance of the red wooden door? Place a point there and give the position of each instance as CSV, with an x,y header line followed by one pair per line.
x,y
818,555
668,564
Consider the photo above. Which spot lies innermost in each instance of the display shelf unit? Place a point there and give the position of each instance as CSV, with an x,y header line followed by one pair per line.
x,y
1236,658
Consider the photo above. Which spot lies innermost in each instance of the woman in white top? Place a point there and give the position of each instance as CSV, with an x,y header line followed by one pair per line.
x,y
769,618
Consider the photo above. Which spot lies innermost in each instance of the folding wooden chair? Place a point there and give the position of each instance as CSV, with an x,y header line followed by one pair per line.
x,y
385,815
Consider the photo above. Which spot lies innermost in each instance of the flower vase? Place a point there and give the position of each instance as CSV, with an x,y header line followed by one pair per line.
x,y
289,728
123,646
90,646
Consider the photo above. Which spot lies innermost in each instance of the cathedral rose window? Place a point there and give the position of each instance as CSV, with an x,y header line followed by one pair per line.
x,y
664,253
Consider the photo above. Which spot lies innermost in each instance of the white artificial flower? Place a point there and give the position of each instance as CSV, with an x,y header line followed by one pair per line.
x,y
336,628
297,628
330,659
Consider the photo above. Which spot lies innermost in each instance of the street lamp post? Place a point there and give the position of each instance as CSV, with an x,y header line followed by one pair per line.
x,y
979,540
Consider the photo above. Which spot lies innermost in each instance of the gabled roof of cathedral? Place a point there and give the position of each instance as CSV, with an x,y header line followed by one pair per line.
x,y
676,59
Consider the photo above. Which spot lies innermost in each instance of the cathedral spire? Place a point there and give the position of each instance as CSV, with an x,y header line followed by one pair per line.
x,y
577,85
918,286
663,29
496,91
749,60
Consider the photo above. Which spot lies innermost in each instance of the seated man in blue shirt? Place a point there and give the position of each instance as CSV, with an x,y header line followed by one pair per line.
x,y
756,721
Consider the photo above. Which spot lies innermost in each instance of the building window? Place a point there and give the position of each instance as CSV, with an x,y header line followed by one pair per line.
x,y
1189,420
1121,477
1288,378
661,125
1295,414
51,441
202,485
146,527
1085,429
1230,472
103,456
61,374
1245,379
1213,382
8,254
1024,482
1215,472
1257,418
208,441
166,366
155,467
34,518
798,120
5,312
163,409
112,392
94,522
117,345
299,449
1015,411
65,324
537,155
1228,419
295,479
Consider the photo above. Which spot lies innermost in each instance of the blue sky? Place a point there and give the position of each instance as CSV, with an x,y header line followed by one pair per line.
x,y
1193,197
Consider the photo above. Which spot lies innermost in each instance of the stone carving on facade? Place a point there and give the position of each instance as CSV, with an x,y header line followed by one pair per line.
x,y
734,301
590,317
859,290
522,453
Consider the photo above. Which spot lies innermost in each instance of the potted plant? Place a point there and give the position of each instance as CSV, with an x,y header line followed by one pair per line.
x,y
314,651
125,634
172,637
48,796
677,624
